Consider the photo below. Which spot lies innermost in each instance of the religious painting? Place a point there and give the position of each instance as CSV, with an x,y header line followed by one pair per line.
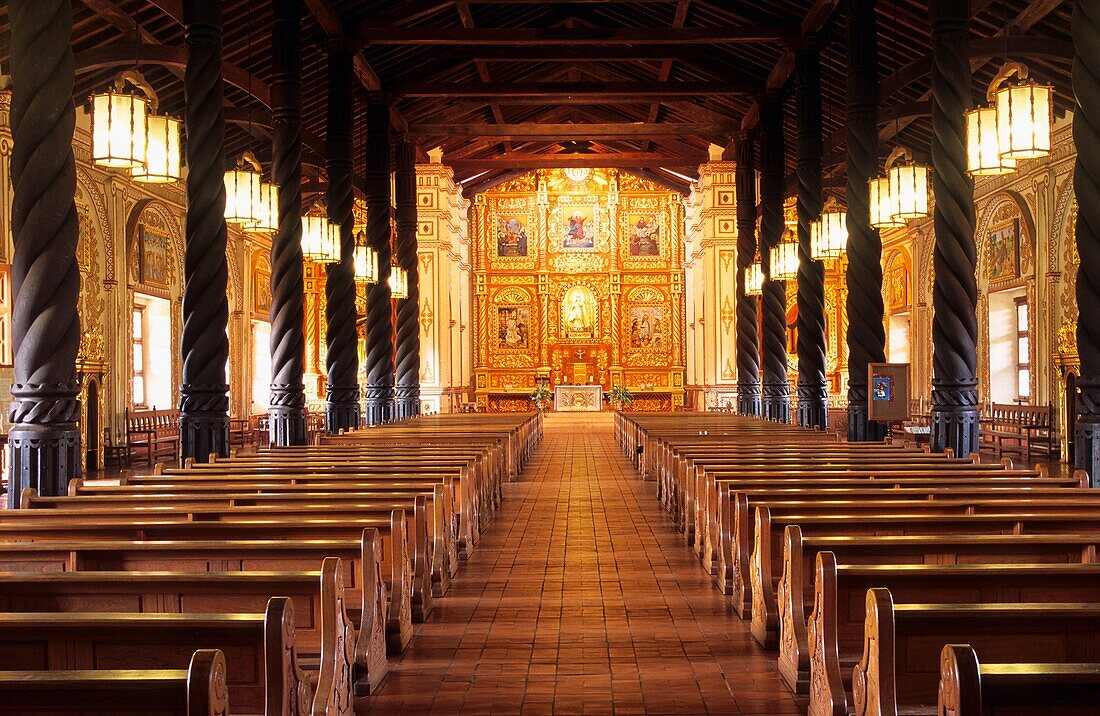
x,y
579,312
1004,251
152,257
647,328
512,238
261,291
644,236
513,327
580,231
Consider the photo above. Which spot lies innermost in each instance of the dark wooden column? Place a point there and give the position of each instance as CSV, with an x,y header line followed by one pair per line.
x,y
955,291
774,385
204,396
813,397
342,339
748,341
866,335
376,178
407,378
1086,184
287,414
45,439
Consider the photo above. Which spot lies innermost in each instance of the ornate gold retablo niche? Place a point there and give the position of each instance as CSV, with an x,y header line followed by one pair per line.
x,y
579,281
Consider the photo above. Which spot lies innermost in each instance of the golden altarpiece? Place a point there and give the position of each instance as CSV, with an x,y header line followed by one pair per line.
x,y
578,281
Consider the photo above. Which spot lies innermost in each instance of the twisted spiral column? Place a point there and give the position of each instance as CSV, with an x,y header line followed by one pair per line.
x,y
45,440
748,342
955,291
813,398
407,379
866,335
204,398
287,414
773,301
1086,184
341,337
376,178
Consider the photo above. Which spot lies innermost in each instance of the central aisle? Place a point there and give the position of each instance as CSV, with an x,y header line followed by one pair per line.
x,y
581,598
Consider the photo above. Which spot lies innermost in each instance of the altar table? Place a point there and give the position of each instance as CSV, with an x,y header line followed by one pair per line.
x,y
578,398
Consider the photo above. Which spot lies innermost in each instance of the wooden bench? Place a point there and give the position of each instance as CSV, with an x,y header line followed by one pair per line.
x,y
971,688
152,433
898,671
1021,429
198,690
835,630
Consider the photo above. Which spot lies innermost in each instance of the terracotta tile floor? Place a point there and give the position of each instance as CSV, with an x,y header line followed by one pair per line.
x,y
582,599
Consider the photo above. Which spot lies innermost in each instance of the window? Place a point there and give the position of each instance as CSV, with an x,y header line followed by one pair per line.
x,y
5,316
1023,352
137,376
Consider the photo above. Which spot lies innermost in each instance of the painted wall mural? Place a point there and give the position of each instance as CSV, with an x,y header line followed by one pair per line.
x,y
578,280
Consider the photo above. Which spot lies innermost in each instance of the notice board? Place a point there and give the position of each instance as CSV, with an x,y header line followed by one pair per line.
x,y
888,392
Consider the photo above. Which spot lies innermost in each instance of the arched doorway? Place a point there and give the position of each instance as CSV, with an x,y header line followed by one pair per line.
x,y
91,444
1071,415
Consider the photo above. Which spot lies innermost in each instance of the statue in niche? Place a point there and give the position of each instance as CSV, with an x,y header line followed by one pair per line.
x,y
579,312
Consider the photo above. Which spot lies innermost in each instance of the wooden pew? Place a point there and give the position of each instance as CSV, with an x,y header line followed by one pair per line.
x,y
796,591
156,432
198,690
898,670
835,630
262,659
970,688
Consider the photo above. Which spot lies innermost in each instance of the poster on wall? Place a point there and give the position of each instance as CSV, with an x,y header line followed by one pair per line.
x,y
152,257
888,392
1004,251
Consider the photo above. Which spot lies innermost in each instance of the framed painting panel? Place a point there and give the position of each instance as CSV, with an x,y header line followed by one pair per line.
x,y
152,257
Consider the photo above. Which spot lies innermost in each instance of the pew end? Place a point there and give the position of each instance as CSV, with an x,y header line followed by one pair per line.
x,y
74,486
26,497
370,646
960,690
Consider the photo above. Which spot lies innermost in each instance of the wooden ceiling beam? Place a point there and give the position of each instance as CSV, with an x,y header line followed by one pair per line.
x,y
551,91
369,34
618,160
639,130
562,53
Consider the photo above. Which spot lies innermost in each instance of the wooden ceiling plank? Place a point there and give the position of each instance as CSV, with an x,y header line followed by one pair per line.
x,y
368,34
556,161
596,91
571,131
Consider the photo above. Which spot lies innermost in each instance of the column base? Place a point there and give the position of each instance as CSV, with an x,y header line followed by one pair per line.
x,y
204,422
776,404
341,409
406,402
813,407
286,418
955,420
43,457
748,400
1086,435
860,429
378,404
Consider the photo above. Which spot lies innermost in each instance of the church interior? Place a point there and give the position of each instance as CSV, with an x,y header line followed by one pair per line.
x,y
565,357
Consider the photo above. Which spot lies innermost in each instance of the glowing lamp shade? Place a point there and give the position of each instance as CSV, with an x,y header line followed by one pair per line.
x,y
398,283
267,211
1024,114
162,151
909,191
242,195
881,204
754,279
118,129
365,262
983,147
320,240
784,261
829,236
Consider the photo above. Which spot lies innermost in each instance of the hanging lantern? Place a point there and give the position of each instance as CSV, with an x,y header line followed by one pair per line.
x,y
908,186
882,204
320,240
829,234
784,259
983,147
365,262
1025,112
754,279
242,191
162,151
267,211
119,119
398,282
